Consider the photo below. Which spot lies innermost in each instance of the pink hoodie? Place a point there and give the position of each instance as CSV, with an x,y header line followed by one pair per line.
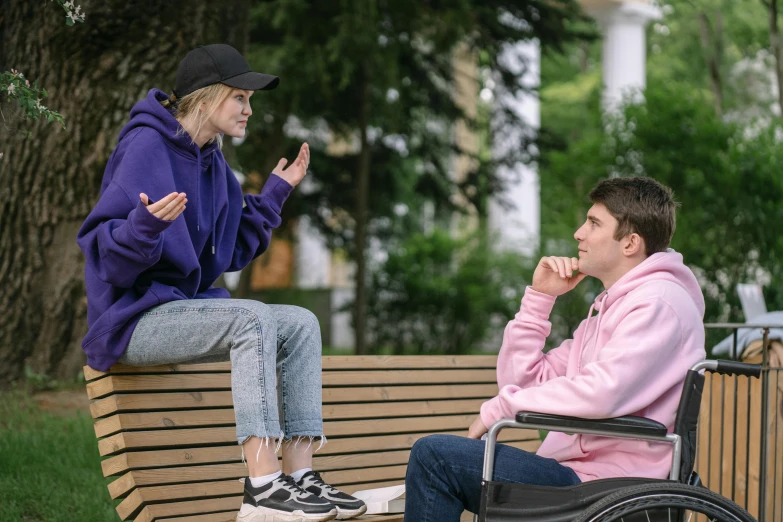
x,y
629,359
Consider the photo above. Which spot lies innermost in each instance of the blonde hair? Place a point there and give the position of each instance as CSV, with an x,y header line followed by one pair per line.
x,y
188,111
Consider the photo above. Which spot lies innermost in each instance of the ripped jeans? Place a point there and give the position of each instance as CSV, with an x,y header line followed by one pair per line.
x,y
275,353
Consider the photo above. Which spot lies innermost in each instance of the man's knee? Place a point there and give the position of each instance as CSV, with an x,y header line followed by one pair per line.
x,y
429,450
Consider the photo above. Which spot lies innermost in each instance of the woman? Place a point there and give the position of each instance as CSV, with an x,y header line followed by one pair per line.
x,y
170,220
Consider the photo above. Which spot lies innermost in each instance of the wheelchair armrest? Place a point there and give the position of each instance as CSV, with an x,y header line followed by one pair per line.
x,y
628,425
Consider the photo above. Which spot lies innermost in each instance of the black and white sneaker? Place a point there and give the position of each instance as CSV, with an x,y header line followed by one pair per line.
x,y
283,501
347,506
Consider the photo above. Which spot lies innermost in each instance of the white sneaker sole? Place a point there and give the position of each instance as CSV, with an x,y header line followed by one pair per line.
x,y
345,514
262,514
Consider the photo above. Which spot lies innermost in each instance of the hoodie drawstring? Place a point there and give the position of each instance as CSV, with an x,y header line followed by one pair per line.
x,y
198,197
198,189
600,308
214,213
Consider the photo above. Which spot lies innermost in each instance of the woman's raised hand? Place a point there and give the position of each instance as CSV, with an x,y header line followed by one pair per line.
x,y
297,170
167,208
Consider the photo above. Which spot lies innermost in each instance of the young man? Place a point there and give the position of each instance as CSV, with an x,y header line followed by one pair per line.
x,y
628,359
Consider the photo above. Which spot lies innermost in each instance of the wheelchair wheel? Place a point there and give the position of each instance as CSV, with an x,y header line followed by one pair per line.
x,y
664,503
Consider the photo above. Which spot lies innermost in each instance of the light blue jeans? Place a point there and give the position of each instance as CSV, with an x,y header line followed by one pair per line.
x,y
275,353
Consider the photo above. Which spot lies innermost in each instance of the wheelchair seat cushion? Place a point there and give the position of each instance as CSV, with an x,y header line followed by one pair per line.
x,y
506,502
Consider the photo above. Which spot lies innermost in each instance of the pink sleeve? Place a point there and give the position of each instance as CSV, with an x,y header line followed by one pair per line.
x,y
638,364
521,361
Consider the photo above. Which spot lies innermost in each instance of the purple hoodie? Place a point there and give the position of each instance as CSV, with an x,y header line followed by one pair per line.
x,y
135,261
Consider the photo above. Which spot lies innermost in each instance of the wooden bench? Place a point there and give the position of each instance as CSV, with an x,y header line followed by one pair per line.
x,y
167,432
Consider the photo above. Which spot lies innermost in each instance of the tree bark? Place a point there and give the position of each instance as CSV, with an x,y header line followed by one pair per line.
x,y
777,50
362,217
94,73
712,46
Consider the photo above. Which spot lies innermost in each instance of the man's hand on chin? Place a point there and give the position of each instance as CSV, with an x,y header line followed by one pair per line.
x,y
555,275
477,429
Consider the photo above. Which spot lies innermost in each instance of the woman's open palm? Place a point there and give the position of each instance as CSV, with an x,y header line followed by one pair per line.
x,y
297,170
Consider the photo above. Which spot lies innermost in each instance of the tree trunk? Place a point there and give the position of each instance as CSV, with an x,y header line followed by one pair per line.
x,y
94,73
362,217
712,46
777,51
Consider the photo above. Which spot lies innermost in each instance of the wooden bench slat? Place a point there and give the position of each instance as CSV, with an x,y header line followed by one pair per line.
x,y
155,512
163,420
401,409
230,516
186,436
137,460
200,474
151,439
353,398
330,362
155,401
171,475
340,378
223,417
188,419
344,378
340,469
213,436
223,516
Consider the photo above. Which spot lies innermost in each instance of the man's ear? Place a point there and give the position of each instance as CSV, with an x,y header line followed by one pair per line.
x,y
634,244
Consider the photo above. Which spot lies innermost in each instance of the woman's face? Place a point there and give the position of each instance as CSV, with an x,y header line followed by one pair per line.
x,y
231,116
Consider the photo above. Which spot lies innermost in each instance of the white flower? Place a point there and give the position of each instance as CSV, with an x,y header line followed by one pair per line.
x,y
11,88
68,5
78,10
1,155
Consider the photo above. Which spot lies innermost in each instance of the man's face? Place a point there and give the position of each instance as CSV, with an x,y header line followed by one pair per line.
x,y
600,254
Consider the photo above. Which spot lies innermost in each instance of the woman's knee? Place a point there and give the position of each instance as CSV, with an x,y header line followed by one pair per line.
x,y
254,315
300,318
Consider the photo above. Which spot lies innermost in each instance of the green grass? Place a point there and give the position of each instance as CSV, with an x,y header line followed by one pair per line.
x,y
49,465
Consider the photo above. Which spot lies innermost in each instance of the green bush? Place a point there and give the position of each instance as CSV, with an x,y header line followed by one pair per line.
x,y
439,295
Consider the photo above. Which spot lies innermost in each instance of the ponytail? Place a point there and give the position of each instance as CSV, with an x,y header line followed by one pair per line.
x,y
171,103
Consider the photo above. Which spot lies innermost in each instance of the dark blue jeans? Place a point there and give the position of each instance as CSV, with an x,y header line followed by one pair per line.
x,y
444,475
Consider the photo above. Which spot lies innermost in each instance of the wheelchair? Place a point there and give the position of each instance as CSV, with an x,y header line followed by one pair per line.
x,y
681,498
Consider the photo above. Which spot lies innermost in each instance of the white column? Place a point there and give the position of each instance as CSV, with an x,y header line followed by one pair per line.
x,y
624,54
518,228
313,258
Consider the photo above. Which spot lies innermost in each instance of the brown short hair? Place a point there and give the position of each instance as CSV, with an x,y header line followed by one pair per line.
x,y
640,205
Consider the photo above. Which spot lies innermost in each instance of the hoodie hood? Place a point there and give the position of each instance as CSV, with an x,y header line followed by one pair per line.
x,y
150,113
659,267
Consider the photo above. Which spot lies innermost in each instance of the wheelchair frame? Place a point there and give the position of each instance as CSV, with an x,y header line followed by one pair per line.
x,y
629,427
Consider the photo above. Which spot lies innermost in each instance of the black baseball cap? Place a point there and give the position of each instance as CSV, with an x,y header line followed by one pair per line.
x,y
219,63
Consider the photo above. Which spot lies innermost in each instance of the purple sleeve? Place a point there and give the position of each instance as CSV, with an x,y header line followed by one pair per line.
x,y
259,217
120,241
